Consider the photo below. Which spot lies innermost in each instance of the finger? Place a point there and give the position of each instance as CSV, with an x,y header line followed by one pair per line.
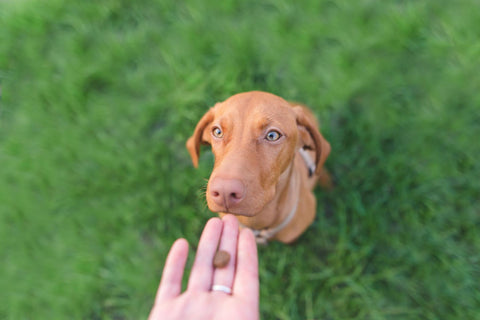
x,y
224,276
246,283
171,283
202,269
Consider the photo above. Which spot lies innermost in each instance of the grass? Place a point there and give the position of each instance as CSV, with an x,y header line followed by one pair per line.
x,y
98,99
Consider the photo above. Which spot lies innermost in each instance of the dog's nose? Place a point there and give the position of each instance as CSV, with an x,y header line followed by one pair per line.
x,y
227,192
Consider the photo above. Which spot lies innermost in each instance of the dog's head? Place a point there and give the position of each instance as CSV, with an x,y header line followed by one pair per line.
x,y
254,137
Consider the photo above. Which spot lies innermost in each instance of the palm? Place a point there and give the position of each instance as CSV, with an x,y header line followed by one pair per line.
x,y
207,306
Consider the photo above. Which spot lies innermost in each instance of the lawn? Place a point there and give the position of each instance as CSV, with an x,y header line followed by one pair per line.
x,y
99,97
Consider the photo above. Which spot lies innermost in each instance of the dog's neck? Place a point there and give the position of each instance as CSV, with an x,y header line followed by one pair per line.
x,y
280,211
262,236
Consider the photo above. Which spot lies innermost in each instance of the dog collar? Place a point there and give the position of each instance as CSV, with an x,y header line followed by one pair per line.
x,y
308,162
262,236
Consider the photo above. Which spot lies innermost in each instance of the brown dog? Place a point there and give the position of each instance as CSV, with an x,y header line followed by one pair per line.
x,y
269,154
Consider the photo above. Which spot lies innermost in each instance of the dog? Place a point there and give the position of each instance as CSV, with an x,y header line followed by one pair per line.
x,y
269,155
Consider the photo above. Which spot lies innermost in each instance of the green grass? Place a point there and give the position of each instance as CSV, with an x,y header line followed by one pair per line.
x,y
98,99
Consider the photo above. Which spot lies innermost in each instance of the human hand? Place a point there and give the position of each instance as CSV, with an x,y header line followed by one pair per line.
x,y
199,301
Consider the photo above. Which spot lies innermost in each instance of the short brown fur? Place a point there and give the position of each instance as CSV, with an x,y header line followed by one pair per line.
x,y
268,177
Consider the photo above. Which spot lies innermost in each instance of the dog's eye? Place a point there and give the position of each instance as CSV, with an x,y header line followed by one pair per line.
x,y
217,132
273,135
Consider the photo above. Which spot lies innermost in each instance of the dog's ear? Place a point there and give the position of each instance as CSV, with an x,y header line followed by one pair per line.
x,y
311,138
199,136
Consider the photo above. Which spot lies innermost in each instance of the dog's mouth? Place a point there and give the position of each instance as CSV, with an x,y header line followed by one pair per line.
x,y
235,211
243,214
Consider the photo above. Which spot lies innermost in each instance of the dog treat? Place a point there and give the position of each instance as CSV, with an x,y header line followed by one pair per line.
x,y
221,259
